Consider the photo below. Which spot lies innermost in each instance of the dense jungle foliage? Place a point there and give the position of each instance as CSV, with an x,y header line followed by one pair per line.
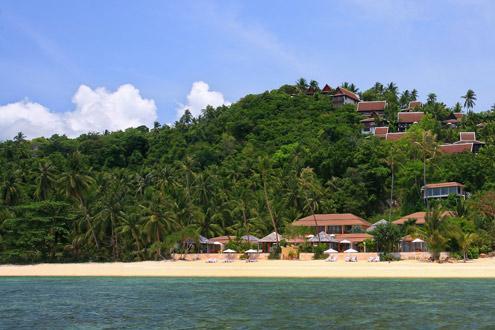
x,y
251,167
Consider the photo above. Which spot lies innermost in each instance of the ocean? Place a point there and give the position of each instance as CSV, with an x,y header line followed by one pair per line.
x,y
200,303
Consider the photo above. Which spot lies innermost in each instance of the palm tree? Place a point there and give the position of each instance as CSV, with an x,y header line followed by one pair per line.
x,y
465,241
414,95
314,85
264,168
428,147
45,180
10,190
469,99
392,87
20,137
157,223
432,98
457,108
435,232
131,224
302,85
378,87
312,192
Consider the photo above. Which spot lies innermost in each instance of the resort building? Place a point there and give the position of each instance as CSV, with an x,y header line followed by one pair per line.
x,y
443,190
394,136
418,217
346,228
413,105
371,108
269,241
467,143
407,118
453,120
343,96
326,89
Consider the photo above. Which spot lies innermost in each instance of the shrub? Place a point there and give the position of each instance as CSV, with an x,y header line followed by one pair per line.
x,y
318,251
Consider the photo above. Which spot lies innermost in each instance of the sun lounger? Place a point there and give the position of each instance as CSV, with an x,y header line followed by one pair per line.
x,y
354,259
347,259
211,261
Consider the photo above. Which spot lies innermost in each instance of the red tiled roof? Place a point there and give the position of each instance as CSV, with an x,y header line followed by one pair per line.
x,y
348,93
371,106
394,136
410,117
345,219
443,184
326,89
420,217
222,239
458,115
456,148
381,130
414,104
467,136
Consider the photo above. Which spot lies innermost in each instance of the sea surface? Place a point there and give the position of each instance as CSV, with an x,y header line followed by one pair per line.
x,y
179,303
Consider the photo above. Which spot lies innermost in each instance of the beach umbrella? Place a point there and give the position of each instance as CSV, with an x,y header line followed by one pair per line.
x,y
229,251
418,240
252,251
329,251
350,251
345,241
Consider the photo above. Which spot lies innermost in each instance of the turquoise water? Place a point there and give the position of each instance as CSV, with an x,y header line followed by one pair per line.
x,y
170,303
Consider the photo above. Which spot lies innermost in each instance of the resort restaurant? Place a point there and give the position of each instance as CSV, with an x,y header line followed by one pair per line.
x,y
347,229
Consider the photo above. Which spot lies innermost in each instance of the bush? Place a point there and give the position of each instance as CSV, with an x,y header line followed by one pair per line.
x,y
388,257
275,253
473,252
318,251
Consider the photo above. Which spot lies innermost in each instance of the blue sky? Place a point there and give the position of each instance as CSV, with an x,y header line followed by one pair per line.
x,y
48,49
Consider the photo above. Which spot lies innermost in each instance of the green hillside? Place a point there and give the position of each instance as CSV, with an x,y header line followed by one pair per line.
x,y
264,161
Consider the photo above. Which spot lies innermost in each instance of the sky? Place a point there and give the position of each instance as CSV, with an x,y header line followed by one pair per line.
x,y
69,67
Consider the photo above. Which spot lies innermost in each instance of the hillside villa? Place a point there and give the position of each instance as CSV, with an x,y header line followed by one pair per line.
x,y
467,143
407,118
344,96
443,190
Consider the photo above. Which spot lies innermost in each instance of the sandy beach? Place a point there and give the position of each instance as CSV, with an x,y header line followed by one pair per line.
x,y
481,268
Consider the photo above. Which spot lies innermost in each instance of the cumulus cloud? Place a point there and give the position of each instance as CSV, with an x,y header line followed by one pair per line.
x,y
199,97
96,110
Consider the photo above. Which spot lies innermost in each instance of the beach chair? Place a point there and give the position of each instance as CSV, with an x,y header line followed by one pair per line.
x,y
211,261
347,259
329,259
371,259
376,259
354,259
334,258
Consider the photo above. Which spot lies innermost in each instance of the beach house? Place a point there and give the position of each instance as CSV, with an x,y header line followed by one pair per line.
x,y
346,228
443,190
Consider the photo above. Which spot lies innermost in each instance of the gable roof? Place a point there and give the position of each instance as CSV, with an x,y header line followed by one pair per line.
x,y
409,117
332,219
467,136
342,91
414,104
365,106
326,89
456,148
271,238
420,217
443,185
323,237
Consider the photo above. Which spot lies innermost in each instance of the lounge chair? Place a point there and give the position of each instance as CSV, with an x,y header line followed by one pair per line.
x,y
211,261
377,259
354,259
330,259
371,259
347,259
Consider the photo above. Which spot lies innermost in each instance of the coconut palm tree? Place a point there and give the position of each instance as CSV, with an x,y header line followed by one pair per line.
x,y
457,108
302,85
264,173
314,85
312,193
469,99
465,241
432,98
131,225
45,180
436,232
414,95
10,191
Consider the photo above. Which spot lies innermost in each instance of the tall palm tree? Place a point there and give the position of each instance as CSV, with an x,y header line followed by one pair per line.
x,y
469,99
432,98
414,95
264,168
302,85
457,108
465,241
312,193
131,225
45,180
436,232
158,221
428,148
314,85
10,191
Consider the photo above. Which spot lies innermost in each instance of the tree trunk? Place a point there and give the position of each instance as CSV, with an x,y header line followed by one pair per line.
x,y
270,211
316,226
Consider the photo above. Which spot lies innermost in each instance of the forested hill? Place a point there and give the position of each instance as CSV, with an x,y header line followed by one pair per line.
x,y
261,162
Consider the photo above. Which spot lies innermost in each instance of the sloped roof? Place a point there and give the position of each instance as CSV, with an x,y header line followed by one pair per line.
x,y
222,239
376,224
365,106
271,238
409,117
381,130
414,105
346,92
420,217
443,185
394,136
250,238
353,237
456,148
333,219
323,237
326,89
467,136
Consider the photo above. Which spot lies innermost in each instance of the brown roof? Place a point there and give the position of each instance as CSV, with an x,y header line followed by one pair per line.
x,y
354,237
414,104
410,117
344,219
467,136
443,184
420,217
371,106
222,239
458,115
394,136
381,130
346,92
456,148
368,120
326,89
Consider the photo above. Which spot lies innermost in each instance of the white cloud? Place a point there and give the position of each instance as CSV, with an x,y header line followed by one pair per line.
x,y
199,97
95,111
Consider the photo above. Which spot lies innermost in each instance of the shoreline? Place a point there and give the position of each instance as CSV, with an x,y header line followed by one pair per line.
x,y
476,269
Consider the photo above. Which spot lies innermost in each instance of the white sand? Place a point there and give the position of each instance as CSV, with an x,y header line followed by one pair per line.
x,y
482,268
